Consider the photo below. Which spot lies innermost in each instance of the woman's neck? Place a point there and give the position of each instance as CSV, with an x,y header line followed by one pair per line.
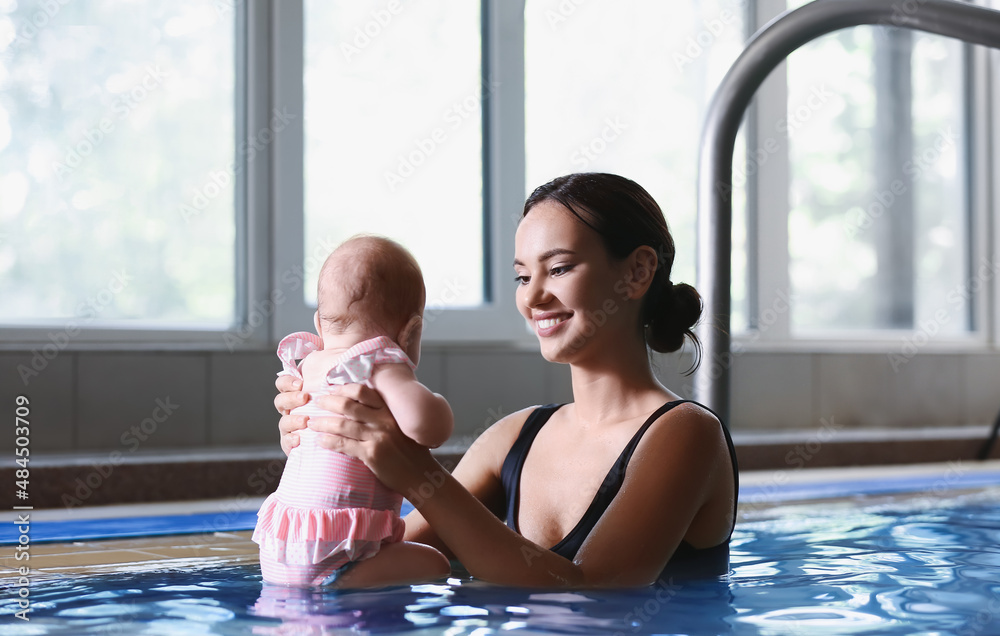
x,y
616,385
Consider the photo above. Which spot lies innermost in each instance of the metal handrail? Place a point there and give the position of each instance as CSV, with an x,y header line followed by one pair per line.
x,y
764,51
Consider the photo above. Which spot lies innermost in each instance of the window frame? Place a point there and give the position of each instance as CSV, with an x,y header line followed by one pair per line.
x,y
247,331
496,320
988,163
269,206
769,284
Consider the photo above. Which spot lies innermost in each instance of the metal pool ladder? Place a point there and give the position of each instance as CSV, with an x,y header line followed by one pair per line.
x,y
765,50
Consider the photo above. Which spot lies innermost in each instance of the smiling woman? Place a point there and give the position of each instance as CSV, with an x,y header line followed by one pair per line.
x,y
625,218
627,484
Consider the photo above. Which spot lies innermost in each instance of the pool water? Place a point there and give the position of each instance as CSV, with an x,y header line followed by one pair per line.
x,y
889,566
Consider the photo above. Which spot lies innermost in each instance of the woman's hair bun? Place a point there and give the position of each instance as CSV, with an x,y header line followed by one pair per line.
x,y
673,317
626,217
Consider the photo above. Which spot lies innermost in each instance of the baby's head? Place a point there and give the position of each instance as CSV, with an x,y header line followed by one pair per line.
x,y
372,286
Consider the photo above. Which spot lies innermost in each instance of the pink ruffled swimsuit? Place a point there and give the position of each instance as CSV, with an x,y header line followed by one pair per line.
x,y
329,509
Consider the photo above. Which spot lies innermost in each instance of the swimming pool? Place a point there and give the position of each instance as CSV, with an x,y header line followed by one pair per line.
x,y
927,561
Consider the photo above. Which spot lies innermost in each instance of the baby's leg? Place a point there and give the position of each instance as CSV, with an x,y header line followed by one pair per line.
x,y
296,575
397,564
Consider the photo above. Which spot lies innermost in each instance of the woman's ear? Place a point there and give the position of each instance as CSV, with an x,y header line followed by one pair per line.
x,y
642,264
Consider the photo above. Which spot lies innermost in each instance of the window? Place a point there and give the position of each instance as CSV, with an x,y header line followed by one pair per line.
x,y
182,168
117,164
393,136
877,242
623,87
879,217
396,101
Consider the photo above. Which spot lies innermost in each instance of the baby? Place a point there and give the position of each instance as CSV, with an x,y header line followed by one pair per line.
x,y
330,513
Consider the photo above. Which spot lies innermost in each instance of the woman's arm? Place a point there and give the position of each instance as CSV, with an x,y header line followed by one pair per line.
x,y
467,525
478,472
679,483
484,544
678,468
671,476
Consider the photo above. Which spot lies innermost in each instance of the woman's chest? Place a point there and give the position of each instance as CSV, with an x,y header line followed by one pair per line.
x,y
561,478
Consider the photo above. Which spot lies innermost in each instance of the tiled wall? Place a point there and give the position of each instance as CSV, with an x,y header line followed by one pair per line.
x,y
864,390
138,402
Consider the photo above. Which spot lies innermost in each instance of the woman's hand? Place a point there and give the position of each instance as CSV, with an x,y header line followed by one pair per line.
x,y
366,429
291,396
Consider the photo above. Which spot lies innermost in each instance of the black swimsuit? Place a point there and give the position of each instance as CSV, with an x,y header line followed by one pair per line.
x,y
686,562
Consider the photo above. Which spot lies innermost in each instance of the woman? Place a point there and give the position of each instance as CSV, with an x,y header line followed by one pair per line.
x,y
592,262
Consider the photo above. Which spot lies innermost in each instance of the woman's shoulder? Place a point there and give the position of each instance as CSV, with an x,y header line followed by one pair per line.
x,y
689,411
507,427
689,424
494,440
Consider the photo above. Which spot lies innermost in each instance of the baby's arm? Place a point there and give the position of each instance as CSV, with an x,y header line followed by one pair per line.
x,y
422,415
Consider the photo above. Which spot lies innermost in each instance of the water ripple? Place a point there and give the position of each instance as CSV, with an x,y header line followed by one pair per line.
x,y
912,568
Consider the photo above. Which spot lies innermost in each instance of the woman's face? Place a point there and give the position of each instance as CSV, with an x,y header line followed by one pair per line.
x,y
570,290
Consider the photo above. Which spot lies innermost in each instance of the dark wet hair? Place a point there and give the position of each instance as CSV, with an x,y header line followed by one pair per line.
x,y
626,217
